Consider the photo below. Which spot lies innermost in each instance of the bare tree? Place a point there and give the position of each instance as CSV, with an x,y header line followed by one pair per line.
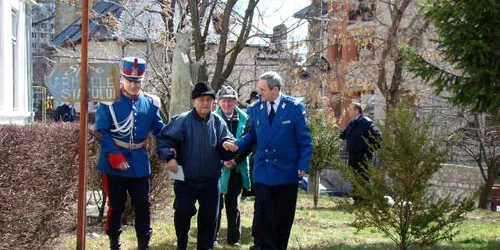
x,y
360,40
480,139
221,14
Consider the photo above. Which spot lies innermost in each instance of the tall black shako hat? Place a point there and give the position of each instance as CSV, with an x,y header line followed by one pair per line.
x,y
202,88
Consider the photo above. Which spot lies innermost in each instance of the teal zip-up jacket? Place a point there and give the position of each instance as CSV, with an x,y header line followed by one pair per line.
x,y
242,167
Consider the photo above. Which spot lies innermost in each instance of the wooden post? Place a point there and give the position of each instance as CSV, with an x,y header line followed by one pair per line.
x,y
83,151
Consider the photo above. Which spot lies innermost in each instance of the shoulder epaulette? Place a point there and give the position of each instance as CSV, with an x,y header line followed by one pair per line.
x,y
292,100
367,119
156,99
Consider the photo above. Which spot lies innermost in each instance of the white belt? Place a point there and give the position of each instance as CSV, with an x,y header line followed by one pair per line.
x,y
128,145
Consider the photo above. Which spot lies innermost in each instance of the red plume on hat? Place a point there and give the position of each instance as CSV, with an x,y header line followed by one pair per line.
x,y
134,67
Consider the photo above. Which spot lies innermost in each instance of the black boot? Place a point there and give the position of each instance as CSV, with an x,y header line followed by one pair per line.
x,y
143,243
114,243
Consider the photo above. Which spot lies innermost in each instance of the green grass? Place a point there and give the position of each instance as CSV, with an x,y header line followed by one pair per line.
x,y
326,227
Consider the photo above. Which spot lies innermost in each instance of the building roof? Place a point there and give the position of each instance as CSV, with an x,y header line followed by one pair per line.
x,y
307,12
97,30
136,20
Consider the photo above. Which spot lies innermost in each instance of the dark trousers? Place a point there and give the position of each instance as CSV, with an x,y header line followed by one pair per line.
x,y
232,201
358,161
186,194
276,211
116,188
255,225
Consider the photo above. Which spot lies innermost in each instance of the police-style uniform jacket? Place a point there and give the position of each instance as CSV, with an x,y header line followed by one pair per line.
x,y
281,149
198,144
125,125
358,132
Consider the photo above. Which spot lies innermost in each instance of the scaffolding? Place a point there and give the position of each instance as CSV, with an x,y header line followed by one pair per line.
x,y
41,103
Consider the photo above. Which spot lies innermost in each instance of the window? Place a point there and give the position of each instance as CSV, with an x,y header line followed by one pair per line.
x,y
339,52
363,10
14,49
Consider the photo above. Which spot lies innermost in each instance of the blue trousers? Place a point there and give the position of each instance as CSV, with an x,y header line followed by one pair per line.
x,y
186,195
116,188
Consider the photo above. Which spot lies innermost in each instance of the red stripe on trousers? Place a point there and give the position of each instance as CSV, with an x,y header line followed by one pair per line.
x,y
106,190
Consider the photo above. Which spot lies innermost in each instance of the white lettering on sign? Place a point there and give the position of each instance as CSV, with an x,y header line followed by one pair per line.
x,y
103,82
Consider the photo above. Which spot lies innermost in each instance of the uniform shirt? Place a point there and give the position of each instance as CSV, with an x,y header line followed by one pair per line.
x,y
282,148
129,120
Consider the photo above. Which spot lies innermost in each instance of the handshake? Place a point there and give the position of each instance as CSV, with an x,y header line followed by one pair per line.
x,y
230,146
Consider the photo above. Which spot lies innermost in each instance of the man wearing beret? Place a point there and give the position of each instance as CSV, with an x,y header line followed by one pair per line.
x,y
193,140
122,127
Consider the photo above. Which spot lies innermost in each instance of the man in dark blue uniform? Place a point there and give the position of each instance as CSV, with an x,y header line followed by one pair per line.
x,y
123,126
193,140
64,113
279,130
361,136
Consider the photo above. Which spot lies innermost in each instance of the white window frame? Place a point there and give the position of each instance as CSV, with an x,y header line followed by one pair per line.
x,y
14,36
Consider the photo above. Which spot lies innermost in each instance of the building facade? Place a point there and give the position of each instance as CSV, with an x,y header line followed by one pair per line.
x,y
43,26
15,62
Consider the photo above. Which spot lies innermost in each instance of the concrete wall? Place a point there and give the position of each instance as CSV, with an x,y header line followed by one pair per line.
x,y
456,180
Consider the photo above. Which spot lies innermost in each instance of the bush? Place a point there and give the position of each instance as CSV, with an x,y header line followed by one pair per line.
x,y
326,147
39,181
397,200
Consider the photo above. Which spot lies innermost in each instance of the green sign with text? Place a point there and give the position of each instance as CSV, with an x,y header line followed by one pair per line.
x,y
104,82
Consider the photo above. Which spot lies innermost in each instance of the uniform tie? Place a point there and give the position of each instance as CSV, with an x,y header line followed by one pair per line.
x,y
271,113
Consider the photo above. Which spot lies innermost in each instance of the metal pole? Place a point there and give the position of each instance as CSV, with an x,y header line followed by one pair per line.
x,y
82,155
44,104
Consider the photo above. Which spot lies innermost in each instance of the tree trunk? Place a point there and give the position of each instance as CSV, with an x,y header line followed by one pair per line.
x,y
180,94
313,187
488,185
102,206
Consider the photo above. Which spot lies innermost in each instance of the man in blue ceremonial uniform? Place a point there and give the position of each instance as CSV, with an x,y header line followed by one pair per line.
x,y
284,149
123,126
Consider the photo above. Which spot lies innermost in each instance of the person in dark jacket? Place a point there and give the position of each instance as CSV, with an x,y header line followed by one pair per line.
x,y
64,113
194,141
361,137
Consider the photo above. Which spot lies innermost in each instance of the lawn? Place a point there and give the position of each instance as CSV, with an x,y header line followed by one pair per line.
x,y
326,227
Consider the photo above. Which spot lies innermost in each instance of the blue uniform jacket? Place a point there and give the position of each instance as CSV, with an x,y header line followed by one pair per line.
x,y
198,144
358,132
281,149
136,119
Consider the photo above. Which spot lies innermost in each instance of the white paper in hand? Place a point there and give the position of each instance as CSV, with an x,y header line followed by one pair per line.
x,y
179,176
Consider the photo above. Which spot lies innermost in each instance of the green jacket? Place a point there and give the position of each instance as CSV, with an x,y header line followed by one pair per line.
x,y
241,168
